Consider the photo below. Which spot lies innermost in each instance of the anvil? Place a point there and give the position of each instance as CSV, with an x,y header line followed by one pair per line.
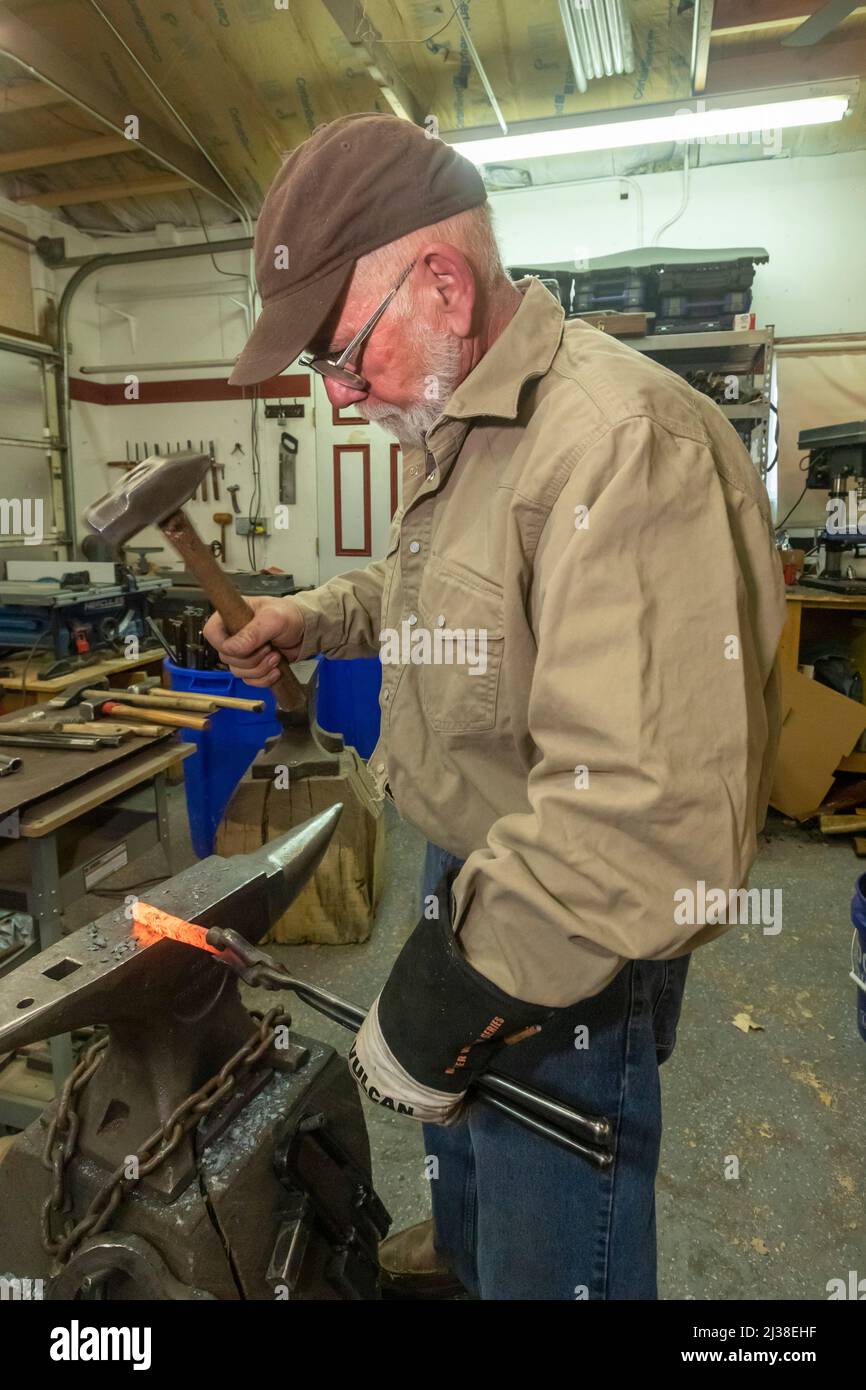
x,y
174,1016
269,1194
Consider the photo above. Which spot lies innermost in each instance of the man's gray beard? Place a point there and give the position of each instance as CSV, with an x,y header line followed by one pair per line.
x,y
441,357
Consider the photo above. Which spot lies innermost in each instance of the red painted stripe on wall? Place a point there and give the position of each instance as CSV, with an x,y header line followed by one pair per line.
x,y
190,389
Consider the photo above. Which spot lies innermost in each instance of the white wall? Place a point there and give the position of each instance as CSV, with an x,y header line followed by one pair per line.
x,y
184,311
809,214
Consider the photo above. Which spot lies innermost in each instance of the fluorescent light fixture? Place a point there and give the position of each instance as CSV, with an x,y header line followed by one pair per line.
x,y
702,123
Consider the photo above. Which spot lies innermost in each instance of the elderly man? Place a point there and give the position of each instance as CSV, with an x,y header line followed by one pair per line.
x,y
581,716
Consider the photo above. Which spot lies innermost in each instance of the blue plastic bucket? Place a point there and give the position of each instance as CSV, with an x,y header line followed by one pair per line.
x,y
347,700
225,750
858,951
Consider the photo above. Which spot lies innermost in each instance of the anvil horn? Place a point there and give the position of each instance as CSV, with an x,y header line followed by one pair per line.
x,y
104,974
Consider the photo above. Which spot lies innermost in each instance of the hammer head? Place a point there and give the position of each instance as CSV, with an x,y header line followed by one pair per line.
x,y
72,695
146,496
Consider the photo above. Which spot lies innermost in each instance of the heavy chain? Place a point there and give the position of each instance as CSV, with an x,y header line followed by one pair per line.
x,y
60,1234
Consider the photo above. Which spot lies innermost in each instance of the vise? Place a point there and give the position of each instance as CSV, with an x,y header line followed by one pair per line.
x,y
197,1150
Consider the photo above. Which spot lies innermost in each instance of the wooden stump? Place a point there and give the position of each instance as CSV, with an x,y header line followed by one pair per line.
x,y
339,903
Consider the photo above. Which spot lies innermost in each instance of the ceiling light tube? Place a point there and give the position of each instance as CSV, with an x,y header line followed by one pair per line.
x,y
613,23
588,37
574,53
585,51
597,131
600,17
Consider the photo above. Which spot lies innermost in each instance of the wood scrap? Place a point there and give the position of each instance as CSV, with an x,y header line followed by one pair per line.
x,y
841,825
842,798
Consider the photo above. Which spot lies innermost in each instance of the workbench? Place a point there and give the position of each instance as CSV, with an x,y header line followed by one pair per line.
x,y
65,824
814,613
18,693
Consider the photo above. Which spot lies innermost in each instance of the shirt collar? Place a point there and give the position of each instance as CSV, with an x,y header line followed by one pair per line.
x,y
524,349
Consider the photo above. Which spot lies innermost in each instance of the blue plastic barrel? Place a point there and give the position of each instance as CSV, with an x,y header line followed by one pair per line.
x,y
347,700
858,917
225,750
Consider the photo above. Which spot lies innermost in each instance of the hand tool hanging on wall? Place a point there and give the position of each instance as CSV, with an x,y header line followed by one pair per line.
x,y
287,459
154,493
223,520
203,484
215,470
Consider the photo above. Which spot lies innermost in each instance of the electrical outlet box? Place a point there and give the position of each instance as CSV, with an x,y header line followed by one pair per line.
x,y
245,527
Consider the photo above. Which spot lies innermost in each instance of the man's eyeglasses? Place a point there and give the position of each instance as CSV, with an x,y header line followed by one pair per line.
x,y
334,368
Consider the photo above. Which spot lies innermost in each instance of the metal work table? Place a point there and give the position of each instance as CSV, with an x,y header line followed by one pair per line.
x,y
65,824
18,694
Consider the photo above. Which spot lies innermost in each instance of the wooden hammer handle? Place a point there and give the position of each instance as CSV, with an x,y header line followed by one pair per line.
x,y
226,599
164,701
155,716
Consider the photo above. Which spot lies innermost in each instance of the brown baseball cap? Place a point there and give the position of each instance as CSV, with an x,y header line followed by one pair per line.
x,y
357,183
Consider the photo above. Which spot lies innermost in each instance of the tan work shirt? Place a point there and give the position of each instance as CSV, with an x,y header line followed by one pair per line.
x,y
604,527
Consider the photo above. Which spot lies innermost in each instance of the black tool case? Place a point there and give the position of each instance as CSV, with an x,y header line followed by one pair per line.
x,y
702,289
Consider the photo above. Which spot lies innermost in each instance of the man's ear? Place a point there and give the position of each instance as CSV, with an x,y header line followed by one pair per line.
x,y
447,277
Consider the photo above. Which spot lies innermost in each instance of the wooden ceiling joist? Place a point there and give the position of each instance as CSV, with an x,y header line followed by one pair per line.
x,y
14,161
26,96
704,10
735,15
786,67
105,192
43,59
358,30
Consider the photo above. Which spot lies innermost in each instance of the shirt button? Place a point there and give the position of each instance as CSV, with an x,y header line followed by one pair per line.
x,y
386,695
412,618
414,547
431,475
380,767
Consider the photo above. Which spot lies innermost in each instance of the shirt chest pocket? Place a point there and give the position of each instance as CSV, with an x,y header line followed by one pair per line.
x,y
459,650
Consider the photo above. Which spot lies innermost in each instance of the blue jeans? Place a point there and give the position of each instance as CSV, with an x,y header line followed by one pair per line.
x,y
518,1217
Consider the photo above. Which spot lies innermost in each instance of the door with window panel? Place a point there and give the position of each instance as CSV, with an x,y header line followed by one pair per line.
x,y
359,486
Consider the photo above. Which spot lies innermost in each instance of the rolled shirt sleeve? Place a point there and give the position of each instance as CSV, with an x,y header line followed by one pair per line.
x,y
657,615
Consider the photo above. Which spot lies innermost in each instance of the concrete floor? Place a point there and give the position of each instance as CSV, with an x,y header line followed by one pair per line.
x,y
787,1102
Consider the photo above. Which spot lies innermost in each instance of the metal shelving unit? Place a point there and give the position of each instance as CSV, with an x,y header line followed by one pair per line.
x,y
749,355
51,443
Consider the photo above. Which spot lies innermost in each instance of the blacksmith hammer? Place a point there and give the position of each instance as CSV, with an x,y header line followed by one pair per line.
x,y
153,493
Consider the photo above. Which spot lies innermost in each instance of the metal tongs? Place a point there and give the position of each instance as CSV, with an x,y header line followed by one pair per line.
x,y
588,1136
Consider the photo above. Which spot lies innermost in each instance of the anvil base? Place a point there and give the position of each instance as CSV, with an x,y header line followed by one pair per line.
x,y
282,1206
